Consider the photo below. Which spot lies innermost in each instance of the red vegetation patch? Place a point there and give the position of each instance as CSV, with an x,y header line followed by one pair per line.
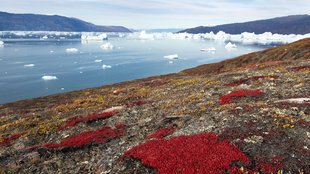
x,y
273,167
201,153
162,133
299,68
73,121
241,81
102,135
239,93
6,141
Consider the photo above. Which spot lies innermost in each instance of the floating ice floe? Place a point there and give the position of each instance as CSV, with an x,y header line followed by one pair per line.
x,y
1,43
94,37
208,49
106,66
172,56
29,65
145,36
72,50
230,46
98,61
107,46
51,51
44,37
46,78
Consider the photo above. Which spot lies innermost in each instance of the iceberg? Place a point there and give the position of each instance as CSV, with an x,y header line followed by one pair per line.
x,y
107,46
208,49
106,66
29,65
144,36
172,56
44,37
72,50
46,78
230,46
1,43
94,37
98,61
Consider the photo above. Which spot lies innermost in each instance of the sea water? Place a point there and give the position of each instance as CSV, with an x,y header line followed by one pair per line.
x,y
31,68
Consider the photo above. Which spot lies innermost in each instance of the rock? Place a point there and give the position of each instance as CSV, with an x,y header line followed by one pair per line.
x,y
254,139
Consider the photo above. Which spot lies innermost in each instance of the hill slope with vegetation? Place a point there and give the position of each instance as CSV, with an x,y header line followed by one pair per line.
x,y
247,114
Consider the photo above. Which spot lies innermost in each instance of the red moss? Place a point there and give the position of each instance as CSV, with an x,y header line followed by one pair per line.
x,y
299,68
201,153
239,93
102,135
8,140
162,133
273,167
241,81
73,121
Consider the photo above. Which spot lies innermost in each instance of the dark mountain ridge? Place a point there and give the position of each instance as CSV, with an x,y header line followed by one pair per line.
x,y
295,24
34,22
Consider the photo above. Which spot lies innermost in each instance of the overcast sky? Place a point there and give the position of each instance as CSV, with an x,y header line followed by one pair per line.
x,y
144,14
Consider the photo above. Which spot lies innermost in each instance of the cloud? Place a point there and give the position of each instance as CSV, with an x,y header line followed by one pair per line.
x,y
160,13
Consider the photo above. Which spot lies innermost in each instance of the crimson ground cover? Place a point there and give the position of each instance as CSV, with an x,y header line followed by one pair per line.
x,y
200,153
225,99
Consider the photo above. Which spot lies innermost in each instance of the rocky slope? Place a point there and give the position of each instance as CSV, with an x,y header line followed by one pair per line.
x,y
245,115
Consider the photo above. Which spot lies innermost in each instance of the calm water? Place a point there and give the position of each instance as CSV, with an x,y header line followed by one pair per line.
x,y
130,59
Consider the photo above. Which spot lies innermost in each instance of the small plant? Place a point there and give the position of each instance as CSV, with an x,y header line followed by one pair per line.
x,y
162,133
201,153
225,99
102,135
241,81
7,141
74,121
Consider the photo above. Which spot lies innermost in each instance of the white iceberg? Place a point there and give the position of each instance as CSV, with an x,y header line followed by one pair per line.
x,y
107,46
1,42
72,50
94,37
98,61
144,36
106,66
230,46
29,65
46,78
208,49
44,37
172,56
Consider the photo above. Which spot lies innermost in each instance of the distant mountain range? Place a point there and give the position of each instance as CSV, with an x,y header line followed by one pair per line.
x,y
34,22
296,24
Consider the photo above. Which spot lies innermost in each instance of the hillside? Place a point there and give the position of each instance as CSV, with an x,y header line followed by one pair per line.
x,y
33,22
297,24
247,114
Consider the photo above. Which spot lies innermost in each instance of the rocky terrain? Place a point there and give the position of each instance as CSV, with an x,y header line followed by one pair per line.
x,y
249,114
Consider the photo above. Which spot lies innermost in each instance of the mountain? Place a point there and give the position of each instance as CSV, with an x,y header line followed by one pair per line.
x,y
248,114
34,22
296,24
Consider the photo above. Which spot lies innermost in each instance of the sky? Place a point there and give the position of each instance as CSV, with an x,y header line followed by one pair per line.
x,y
150,14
